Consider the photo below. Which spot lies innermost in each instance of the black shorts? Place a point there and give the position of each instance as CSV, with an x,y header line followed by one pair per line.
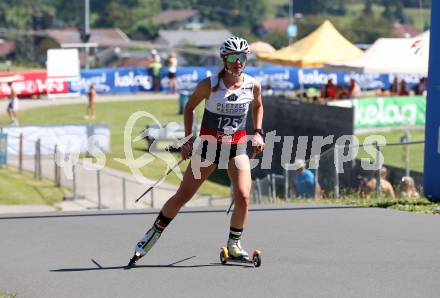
x,y
171,75
219,153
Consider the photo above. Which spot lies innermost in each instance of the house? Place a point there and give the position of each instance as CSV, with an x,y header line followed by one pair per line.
x,y
197,47
405,30
276,25
204,39
180,19
7,47
100,39
105,37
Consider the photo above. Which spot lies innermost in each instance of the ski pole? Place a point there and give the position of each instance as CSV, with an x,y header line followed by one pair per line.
x,y
160,180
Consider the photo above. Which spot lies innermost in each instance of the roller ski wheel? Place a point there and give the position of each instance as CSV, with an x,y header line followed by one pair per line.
x,y
133,260
256,258
225,257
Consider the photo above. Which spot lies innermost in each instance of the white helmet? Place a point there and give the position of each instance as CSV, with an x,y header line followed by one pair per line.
x,y
234,44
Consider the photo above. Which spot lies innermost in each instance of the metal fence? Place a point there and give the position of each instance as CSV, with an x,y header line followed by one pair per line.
x,y
331,181
96,188
111,189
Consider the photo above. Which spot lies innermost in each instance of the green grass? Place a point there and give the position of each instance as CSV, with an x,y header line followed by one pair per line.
x,y
7,295
394,155
116,115
20,189
421,205
354,10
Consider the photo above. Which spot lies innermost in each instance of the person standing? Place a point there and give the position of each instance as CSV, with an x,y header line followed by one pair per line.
x,y
222,142
172,70
91,98
13,105
156,67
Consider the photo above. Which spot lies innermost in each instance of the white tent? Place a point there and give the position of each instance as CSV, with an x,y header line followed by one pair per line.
x,y
392,55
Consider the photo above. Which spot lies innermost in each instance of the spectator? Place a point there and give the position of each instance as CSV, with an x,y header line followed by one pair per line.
x,y
13,105
269,90
172,70
156,67
394,89
91,97
386,187
408,188
403,90
329,90
354,91
422,87
341,93
304,181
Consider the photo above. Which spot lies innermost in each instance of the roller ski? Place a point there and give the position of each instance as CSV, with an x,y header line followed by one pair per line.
x,y
144,246
234,253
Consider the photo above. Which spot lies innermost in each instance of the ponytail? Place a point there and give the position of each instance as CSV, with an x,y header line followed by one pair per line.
x,y
219,77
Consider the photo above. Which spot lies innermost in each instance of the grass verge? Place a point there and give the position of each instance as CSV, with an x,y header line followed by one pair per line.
x,y
421,205
7,295
21,188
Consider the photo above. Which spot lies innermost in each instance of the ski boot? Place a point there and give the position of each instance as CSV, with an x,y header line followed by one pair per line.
x,y
143,246
234,253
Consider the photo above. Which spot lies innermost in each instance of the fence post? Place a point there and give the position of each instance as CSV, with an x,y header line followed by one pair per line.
x,y
55,166
378,178
36,160
55,170
274,190
316,182
152,198
124,194
40,172
408,157
98,178
258,190
20,153
74,181
336,160
286,181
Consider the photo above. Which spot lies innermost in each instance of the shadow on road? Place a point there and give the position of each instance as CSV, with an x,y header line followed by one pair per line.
x,y
172,265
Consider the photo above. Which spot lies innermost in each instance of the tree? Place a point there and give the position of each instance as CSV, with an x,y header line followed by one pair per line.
x,y
367,29
399,14
234,13
368,7
277,39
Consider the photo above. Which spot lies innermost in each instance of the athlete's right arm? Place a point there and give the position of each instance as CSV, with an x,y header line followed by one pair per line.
x,y
201,92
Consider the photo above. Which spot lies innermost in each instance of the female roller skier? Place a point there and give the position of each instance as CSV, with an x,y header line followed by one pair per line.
x,y
222,143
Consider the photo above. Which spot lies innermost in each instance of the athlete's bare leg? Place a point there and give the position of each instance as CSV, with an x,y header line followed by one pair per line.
x,y
240,175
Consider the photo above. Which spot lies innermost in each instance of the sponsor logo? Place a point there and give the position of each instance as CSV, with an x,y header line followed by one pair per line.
x,y
384,113
133,80
232,97
316,77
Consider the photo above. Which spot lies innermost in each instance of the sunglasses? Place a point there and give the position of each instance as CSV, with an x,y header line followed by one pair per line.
x,y
233,57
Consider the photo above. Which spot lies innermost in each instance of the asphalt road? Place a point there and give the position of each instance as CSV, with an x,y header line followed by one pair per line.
x,y
306,252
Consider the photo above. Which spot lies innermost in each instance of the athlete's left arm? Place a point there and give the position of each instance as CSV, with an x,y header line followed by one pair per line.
x,y
257,107
257,118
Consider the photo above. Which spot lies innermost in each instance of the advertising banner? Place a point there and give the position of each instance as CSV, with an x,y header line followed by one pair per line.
x,y
134,80
280,78
389,111
27,84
